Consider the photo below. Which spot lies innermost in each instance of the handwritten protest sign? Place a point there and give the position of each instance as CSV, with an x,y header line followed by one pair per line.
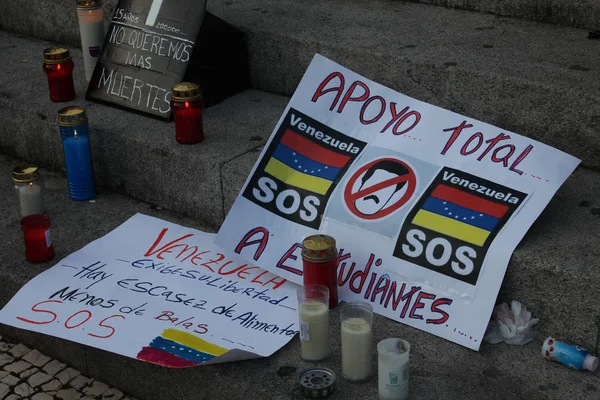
x,y
146,51
161,293
426,205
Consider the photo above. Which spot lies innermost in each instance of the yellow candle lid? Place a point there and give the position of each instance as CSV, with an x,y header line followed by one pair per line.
x,y
25,173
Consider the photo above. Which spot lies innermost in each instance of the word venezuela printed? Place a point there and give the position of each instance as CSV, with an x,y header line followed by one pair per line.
x,y
426,205
160,293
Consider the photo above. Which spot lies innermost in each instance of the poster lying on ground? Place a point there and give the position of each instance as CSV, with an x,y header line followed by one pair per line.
x,y
426,205
161,293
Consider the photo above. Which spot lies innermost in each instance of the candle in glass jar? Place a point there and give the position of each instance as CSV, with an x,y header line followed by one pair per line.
x,y
357,340
314,322
29,189
91,28
393,356
319,263
36,231
58,67
187,104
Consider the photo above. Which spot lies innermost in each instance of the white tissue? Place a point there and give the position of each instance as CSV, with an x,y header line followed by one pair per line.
x,y
512,325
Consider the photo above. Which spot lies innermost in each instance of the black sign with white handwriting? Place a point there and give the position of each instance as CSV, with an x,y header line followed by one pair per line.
x,y
146,51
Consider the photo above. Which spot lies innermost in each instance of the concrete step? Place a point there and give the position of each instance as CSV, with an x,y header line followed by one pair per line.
x,y
578,14
555,272
133,154
539,80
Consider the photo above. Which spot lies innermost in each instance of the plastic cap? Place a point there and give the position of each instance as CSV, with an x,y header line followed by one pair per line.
x,y
590,363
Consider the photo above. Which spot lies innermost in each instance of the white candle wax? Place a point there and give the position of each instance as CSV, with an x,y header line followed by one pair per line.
x,y
314,330
30,198
356,349
393,369
91,28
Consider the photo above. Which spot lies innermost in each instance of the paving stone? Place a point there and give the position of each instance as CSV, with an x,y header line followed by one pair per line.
x,y
112,394
54,384
39,379
54,367
5,359
17,367
80,382
26,374
68,374
10,380
87,398
3,374
36,358
6,347
19,350
23,390
12,397
96,389
69,394
4,389
42,396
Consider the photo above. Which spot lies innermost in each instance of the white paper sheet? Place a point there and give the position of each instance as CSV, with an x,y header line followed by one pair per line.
x,y
161,293
426,205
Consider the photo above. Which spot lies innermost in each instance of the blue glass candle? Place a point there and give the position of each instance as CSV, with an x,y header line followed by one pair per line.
x,y
78,155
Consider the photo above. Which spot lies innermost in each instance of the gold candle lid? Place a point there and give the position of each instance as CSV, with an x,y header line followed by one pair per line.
x,y
25,173
56,55
89,4
319,248
186,91
72,115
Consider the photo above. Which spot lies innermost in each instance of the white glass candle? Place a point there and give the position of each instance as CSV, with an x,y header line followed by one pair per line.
x,y
357,341
29,189
313,305
91,28
393,355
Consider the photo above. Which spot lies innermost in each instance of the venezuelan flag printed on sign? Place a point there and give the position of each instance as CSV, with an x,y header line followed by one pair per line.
x,y
178,349
461,215
303,163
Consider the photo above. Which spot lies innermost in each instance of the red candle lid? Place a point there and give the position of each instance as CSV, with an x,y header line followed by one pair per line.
x,y
56,55
319,248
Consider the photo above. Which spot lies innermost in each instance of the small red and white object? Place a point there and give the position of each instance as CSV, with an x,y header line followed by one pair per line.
x,y
38,245
319,263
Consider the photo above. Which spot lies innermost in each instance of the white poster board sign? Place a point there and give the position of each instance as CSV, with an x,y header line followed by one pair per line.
x,y
426,205
161,293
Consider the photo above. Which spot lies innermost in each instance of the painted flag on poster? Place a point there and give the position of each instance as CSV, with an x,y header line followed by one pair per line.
x,y
460,215
300,162
178,349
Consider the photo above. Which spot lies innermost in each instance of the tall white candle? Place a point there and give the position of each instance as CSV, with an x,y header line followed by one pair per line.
x,y
314,330
356,349
30,199
393,355
91,28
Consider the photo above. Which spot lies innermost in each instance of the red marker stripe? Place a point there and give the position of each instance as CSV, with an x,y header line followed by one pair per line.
x,y
469,201
314,151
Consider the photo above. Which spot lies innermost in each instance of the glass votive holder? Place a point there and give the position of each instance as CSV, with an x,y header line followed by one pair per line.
x,y
58,67
29,189
38,245
357,340
313,306
393,357
187,104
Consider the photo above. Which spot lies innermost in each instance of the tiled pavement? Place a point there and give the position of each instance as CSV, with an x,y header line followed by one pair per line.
x,y
30,375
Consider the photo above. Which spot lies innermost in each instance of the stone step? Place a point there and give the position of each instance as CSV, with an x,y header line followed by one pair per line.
x,y
133,154
539,80
578,14
555,272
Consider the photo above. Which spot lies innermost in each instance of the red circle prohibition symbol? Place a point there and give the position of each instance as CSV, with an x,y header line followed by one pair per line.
x,y
350,197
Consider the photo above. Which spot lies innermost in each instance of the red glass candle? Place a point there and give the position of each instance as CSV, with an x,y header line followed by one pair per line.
x,y
38,246
320,260
58,66
187,104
